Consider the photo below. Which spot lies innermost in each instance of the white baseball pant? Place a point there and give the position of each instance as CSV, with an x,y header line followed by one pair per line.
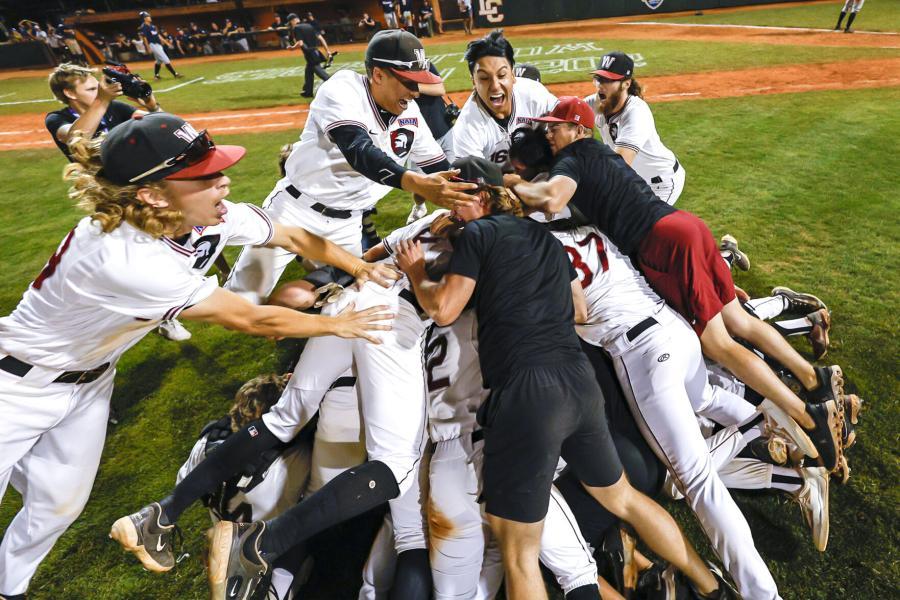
x,y
52,437
663,378
669,190
258,269
339,442
853,5
390,381
159,54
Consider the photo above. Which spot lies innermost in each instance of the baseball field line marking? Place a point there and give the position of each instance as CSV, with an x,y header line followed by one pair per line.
x,y
27,101
769,27
26,144
180,85
9,94
250,127
678,94
18,132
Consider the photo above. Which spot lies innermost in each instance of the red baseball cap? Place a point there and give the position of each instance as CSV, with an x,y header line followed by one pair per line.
x,y
570,109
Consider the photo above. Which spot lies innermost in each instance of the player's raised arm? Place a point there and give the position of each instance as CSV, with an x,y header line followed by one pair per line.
x,y
306,244
443,300
233,312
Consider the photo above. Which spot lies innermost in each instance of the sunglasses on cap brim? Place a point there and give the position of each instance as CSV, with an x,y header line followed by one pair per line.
x,y
194,152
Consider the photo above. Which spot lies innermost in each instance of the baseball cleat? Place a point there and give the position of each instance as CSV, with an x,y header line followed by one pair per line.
x,y
724,591
418,211
826,434
147,538
842,471
661,582
798,302
813,501
236,568
729,244
818,335
830,385
172,329
852,405
772,449
790,428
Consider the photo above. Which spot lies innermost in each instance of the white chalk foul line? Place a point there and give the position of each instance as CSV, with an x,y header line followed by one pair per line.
x,y
28,102
180,85
768,27
294,111
252,127
9,94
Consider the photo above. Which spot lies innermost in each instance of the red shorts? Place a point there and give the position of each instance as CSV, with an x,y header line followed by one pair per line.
x,y
681,261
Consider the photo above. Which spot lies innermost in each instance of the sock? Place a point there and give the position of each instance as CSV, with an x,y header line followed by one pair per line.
x,y
789,327
584,592
752,396
351,493
752,428
840,18
170,68
768,307
156,70
281,581
850,19
412,578
228,459
786,479
728,257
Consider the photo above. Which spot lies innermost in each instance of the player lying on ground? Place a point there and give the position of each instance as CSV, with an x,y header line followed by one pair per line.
x,y
544,400
669,244
150,187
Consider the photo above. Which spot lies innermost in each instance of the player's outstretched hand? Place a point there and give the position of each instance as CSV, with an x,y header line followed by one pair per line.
x,y
440,188
359,324
409,256
380,273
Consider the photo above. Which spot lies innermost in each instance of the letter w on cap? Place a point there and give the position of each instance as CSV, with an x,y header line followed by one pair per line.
x,y
186,132
420,58
607,61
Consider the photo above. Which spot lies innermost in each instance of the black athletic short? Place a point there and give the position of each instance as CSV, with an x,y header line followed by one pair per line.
x,y
529,421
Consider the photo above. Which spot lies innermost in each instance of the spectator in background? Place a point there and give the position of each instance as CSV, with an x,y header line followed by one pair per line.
x,y
4,32
199,39
181,42
405,8
121,47
76,54
139,46
54,40
369,25
426,20
315,24
100,43
465,8
390,14
281,29
216,38
345,26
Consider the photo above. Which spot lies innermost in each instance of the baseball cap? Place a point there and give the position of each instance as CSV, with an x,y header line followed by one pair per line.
x,y
528,71
570,109
291,16
143,14
162,146
615,65
475,169
402,53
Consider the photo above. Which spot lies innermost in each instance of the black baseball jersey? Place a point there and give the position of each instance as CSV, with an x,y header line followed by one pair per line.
x,y
150,32
307,34
116,114
610,194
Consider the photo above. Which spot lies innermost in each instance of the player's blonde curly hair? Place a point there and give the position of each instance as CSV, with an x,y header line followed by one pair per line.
x,y
111,204
502,200
255,398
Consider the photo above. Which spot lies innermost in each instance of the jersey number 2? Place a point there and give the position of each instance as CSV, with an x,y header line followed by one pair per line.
x,y
50,268
585,276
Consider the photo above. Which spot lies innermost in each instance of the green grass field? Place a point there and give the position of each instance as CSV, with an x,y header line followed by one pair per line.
x,y
880,15
265,82
785,174
807,182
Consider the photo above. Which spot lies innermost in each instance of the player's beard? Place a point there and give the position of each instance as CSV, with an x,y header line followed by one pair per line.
x,y
611,103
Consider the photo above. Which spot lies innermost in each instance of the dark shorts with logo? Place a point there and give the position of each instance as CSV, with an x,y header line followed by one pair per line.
x,y
534,417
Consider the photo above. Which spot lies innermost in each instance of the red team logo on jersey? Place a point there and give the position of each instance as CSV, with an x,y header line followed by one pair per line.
x,y
402,141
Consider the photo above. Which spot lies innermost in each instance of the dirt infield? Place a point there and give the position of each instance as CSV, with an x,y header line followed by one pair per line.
x,y
27,131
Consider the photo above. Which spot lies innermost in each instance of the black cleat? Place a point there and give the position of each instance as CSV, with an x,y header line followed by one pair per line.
x,y
729,244
826,435
798,302
818,335
143,535
236,568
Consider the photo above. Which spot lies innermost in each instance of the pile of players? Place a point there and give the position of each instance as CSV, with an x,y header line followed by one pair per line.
x,y
699,393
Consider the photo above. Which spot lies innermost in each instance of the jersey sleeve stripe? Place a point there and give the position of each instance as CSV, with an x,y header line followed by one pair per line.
x,y
268,221
629,146
177,248
345,122
432,161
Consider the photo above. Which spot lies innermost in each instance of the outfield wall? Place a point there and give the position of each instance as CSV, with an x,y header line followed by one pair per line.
x,y
497,13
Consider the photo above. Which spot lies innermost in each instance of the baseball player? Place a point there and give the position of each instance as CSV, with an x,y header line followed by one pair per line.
x,y
391,386
152,184
626,125
150,35
815,325
360,131
499,104
681,261
541,383
850,6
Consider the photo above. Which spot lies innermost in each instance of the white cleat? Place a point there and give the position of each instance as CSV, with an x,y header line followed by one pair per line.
x,y
172,329
813,501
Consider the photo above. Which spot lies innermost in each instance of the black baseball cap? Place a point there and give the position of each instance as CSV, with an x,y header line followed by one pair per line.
x,y
143,14
291,16
162,146
402,53
475,169
528,71
615,65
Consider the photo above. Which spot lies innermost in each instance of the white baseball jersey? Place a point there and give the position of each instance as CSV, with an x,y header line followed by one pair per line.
x,y
243,225
453,378
618,297
437,249
98,295
281,488
316,165
633,127
477,132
